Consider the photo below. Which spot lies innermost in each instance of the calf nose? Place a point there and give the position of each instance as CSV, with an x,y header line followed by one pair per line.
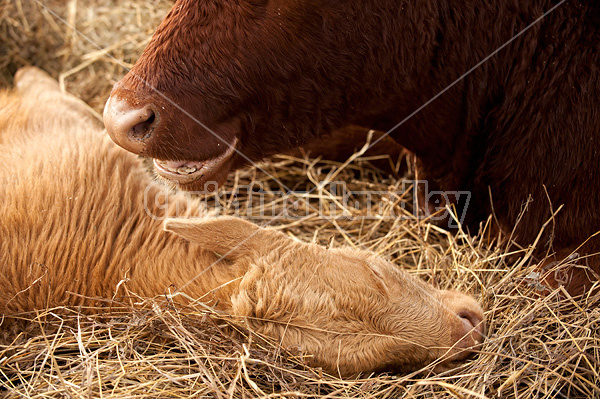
x,y
472,331
130,127
466,324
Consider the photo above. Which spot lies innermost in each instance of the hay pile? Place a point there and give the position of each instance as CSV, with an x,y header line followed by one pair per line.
x,y
538,346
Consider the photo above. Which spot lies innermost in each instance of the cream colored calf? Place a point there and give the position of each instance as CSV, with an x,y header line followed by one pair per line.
x,y
73,227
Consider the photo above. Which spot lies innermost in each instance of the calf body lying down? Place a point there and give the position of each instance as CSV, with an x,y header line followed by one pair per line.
x,y
74,232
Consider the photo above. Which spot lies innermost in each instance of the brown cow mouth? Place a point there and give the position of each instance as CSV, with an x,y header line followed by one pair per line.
x,y
186,172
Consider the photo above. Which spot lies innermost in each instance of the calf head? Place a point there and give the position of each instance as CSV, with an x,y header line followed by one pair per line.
x,y
347,310
222,84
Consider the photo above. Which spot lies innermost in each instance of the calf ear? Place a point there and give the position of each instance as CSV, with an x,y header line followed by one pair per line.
x,y
32,79
227,236
44,92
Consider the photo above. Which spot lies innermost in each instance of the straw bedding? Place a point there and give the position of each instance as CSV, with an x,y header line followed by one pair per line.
x,y
538,345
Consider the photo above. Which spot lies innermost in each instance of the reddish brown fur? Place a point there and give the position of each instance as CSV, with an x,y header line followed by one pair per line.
x,y
278,73
74,232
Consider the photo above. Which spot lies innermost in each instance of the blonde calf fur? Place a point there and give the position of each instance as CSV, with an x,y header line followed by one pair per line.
x,y
74,232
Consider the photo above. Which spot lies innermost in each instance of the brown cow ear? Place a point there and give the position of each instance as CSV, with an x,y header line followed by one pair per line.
x,y
228,236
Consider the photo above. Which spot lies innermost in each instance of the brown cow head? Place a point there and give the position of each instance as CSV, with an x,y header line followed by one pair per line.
x,y
226,83
347,310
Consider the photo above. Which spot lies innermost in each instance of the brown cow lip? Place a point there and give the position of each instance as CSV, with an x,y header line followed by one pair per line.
x,y
179,167
185,172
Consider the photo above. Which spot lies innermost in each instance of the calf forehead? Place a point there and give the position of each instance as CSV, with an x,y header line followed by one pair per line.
x,y
310,280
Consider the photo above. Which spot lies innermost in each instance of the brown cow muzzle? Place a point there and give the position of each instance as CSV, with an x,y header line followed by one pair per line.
x,y
129,126
135,123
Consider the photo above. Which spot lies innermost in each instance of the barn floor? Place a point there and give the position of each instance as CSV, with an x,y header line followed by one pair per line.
x,y
537,346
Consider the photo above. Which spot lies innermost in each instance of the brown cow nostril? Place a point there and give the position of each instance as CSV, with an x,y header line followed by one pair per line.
x,y
143,130
129,126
